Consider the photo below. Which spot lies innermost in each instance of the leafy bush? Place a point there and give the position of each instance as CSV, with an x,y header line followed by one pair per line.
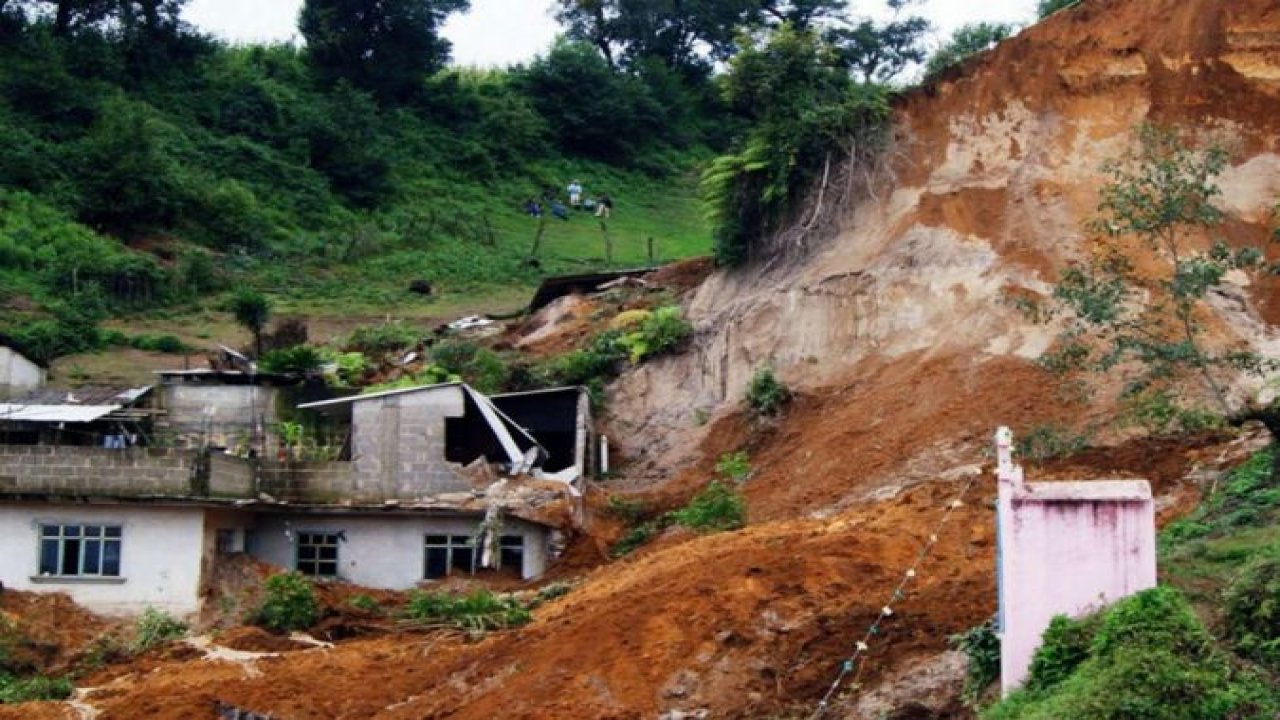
x,y
766,395
158,343
1253,609
361,601
289,603
155,627
1066,645
1159,413
15,690
349,367
300,359
1248,497
625,509
982,646
478,366
477,612
639,535
735,465
1150,658
718,507
385,338
660,332
1045,442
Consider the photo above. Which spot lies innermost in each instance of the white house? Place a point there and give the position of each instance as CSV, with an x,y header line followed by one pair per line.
x,y
430,482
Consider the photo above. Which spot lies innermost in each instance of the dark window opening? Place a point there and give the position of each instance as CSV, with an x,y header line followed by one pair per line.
x,y
80,550
318,553
511,555
447,555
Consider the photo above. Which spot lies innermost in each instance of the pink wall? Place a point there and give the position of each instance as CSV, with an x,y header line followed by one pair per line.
x,y
1065,548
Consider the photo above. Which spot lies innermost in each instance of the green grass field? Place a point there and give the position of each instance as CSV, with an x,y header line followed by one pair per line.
x,y
473,247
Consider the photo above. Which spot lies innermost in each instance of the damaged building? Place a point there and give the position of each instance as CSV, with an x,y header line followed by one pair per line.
x,y
418,484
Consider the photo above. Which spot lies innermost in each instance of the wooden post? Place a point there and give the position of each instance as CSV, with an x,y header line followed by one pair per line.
x,y
537,236
651,262
608,243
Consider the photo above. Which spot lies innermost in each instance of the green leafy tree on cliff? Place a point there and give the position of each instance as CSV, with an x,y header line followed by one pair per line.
x,y
1139,304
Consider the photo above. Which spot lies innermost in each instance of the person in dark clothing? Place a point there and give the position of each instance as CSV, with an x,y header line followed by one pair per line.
x,y
559,210
532,208
604,206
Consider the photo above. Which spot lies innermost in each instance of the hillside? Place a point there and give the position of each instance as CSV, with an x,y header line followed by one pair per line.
x,y
143,187
900,338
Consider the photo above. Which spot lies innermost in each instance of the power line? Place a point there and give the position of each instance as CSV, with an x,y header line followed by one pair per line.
x,y
851,664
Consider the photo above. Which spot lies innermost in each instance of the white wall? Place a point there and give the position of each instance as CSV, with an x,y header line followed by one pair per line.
x,y
17,372
160,556
385,551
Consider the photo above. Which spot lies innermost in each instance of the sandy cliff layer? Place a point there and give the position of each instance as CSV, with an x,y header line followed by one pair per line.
x,y
993,172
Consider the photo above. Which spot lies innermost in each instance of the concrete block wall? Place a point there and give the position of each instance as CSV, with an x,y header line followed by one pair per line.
x,y
231,477
234,409
399,444
313,482
130,472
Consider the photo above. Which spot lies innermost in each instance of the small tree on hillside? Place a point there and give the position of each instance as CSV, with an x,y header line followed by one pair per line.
x,y
967,41
252,310
1049,7
1128,313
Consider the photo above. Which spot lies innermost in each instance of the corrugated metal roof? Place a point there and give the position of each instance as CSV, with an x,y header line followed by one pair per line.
x,y
374,395
10,412
84,396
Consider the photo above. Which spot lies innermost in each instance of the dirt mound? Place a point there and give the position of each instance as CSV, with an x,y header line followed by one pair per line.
x,y
740,622
47,633
905,354
254,639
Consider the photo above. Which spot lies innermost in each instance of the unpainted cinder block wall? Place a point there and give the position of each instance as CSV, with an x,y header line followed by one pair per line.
x,y
399,444
128,472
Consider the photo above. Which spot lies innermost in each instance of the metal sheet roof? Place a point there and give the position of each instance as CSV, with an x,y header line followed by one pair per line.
x,y
10,412
84,396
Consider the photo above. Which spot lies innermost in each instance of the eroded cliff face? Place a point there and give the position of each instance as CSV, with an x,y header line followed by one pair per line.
x,y
990,177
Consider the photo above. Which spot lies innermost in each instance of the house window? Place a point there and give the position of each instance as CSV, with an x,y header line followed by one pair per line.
x,y
318,553
512,547
80,550
447,554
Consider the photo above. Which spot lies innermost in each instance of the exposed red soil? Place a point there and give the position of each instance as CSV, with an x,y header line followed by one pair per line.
x,y
255,639
50,632
849,483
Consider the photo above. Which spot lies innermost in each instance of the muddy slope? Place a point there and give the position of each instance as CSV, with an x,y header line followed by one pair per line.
x,y
994,170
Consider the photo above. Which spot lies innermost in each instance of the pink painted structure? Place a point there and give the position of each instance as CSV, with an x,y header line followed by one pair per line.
x,y
1066,548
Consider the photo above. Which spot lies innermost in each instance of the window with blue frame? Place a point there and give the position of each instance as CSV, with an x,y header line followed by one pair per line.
x,y
80,550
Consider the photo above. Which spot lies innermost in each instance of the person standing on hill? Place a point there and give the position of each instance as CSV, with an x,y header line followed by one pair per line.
x,y
604,206
575,194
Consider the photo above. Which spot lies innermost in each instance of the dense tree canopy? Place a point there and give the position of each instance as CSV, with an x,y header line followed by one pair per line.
x,y
387,47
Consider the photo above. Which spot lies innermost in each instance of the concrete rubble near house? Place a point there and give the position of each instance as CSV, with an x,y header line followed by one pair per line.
x,y
420,483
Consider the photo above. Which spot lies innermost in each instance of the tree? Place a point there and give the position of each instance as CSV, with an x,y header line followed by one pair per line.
x,y
686,35
803,108
610,121
879,52
1129,314
804,14
387,47
1049,7
967,41
252,310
